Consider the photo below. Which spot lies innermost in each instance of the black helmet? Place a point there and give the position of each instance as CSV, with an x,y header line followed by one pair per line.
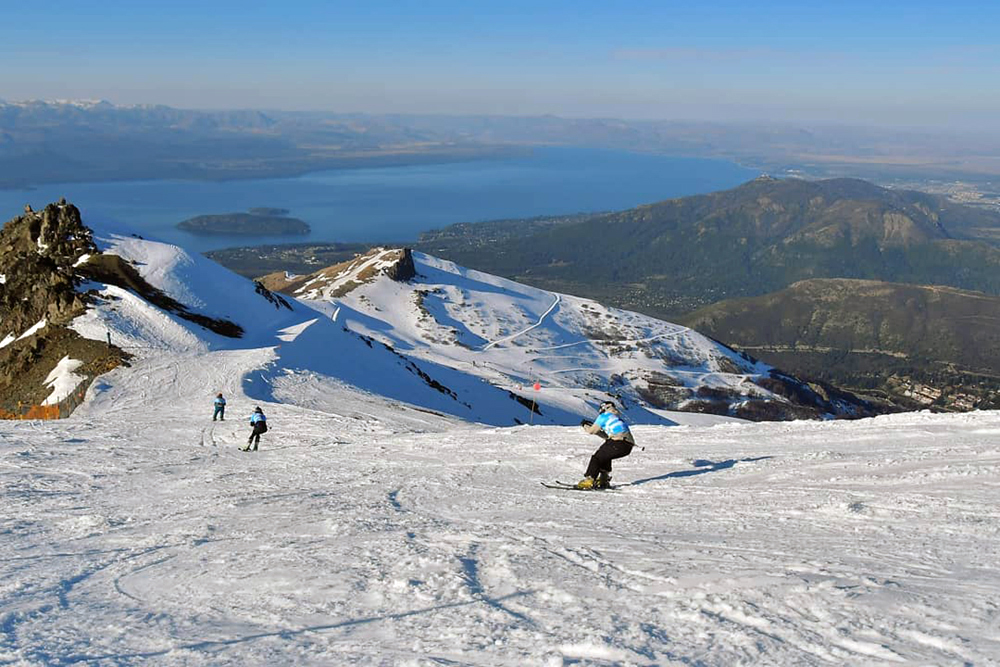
x,y
257,409
608,406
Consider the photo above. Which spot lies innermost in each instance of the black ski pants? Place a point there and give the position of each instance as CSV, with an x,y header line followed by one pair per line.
x,y
605,454
255,436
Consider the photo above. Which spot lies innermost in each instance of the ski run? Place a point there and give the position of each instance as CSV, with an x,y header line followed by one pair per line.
x,y
369,530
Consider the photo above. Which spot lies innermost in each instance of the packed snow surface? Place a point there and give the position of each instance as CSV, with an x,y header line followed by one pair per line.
x,y
142,535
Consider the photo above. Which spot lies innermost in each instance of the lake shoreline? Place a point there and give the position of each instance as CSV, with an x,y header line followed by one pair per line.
x,y
371,161
378,204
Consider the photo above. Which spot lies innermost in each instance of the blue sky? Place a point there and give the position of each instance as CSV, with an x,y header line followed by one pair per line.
x,y
912,63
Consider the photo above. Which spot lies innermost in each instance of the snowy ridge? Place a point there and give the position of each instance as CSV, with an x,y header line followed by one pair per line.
x,y
76,103
281,347
513,335
340,279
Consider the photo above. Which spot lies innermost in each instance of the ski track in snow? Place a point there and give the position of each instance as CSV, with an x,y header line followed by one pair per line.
x,y
137,533
541,319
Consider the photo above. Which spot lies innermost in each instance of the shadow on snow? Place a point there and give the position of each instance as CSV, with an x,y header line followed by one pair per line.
x,y
702,466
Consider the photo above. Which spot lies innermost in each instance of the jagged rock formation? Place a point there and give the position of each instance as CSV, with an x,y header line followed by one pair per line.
x,y
39,296
38,252
402,269
276,300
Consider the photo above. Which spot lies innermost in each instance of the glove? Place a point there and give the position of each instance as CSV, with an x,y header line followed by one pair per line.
x,y
586,423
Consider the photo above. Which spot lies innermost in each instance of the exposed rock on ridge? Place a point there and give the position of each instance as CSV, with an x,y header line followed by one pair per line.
x,y
39,258
340,279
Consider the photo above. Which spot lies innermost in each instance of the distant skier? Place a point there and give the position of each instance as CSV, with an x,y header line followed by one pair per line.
x,y
220,408
617,444
259,424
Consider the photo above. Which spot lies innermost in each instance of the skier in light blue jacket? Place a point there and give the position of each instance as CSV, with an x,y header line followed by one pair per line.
x,y
618,443
220,408
259,423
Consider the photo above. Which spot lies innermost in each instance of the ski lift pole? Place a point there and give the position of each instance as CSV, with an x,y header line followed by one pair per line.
x,y
537,387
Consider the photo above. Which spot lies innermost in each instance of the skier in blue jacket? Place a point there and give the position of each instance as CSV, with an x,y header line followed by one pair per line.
x,y
618,442
220,408
259,424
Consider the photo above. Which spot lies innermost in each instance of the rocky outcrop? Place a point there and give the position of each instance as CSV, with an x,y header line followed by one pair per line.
x,y
276,300
402,269
40,256
38,252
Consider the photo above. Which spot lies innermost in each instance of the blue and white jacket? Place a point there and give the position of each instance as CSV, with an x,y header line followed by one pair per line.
x,y
613,425
219,401
257,417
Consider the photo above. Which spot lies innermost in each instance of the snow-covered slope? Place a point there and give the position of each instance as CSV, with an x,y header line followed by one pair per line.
x,y
288,352
386,536
578,351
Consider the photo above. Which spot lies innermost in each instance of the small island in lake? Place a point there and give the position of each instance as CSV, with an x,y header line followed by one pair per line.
x,y
261,220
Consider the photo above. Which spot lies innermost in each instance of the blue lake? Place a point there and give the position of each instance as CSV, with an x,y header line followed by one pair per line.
x,y
395,203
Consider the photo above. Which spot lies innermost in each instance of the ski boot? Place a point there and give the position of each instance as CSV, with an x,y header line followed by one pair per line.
x,y
587,483
603,481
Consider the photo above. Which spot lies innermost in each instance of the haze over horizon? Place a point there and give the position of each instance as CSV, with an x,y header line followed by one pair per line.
x,y
899,64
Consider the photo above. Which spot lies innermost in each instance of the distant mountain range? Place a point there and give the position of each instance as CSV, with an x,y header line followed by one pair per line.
x,y
671,257
63,141
46,142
